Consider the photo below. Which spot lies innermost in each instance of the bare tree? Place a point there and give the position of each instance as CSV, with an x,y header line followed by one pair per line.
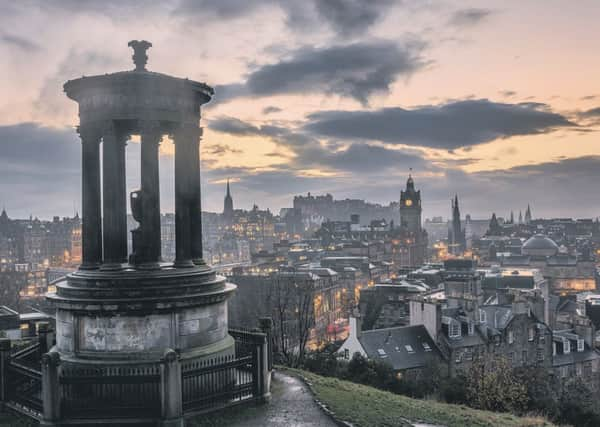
x,y
293,316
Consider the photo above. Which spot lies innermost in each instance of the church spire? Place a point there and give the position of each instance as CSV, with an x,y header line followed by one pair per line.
x,y
228,204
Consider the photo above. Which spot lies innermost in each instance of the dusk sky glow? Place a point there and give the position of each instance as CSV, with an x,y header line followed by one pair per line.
x,y
496,101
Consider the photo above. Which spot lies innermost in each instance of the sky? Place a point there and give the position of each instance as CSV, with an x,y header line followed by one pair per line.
x,y
496,101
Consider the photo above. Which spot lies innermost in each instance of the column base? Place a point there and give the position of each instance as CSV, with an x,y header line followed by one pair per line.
x,y
188,263
173,422
90,266
112,266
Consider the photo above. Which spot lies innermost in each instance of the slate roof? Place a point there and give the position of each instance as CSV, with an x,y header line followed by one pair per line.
x,y
575,357
403,347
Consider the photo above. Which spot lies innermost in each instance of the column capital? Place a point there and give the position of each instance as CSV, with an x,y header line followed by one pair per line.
x,y
111,130
151,128
185,131
90,132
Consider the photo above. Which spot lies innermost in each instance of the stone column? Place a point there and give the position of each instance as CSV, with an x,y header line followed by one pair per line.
x,y
150,204
91,227
196,203
114,197
171,392
187,195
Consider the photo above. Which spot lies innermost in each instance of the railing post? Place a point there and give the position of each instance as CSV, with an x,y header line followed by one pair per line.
x,y
267,358
4,361
50,388
43,330
171,394
256,369
266,325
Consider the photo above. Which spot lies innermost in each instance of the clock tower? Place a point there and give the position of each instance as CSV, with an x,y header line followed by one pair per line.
x,y
410,208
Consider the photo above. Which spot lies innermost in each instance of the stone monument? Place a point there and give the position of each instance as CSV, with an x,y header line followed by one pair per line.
x,y
123,309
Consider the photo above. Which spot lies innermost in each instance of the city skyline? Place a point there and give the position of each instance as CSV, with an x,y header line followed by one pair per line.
x,y
496,103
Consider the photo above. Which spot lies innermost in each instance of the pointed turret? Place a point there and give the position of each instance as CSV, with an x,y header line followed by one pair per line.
x,y
528,215
228,204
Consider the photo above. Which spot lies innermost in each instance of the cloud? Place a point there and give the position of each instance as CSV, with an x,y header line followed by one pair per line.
x,y
592,113
469,17
448,126
507,93
344,17
355,71
19,42
39,169
271,109
51,103
351,17
309,153
220,149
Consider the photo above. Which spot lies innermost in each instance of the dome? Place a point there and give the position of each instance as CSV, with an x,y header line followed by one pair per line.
x,y
539,245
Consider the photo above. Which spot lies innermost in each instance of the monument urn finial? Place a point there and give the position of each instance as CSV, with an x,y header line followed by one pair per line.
x,y
140,58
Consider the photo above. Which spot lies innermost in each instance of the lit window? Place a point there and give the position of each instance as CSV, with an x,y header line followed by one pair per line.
x,y
426,346
511,337
454,329
409,348
531,334
381,352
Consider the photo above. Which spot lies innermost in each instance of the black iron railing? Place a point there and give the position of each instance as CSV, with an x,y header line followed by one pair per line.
x,y
216,383
138,392
110,392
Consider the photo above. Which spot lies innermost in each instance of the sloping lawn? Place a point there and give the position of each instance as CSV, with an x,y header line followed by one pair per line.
x,y
365,406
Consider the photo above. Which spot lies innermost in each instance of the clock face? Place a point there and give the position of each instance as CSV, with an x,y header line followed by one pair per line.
x,y
408,202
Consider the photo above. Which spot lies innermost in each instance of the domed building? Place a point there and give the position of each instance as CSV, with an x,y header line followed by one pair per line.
x,y
539,246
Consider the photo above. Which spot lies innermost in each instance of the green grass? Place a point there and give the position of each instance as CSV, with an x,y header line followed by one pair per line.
x,y
365,406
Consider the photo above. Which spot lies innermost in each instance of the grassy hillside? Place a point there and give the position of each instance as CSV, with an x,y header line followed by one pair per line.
x,y
365,406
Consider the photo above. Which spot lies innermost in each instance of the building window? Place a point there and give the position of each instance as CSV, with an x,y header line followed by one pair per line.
x,y
426,346
579,369
539,354
482,317
409,349
469,354
566,346
511,337
511,357
346,354
564,371
471,329
531,334
524,356
454,329
580,345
